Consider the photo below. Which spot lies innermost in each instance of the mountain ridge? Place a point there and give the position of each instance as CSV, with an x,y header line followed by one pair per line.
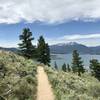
x,y
66,48
9,49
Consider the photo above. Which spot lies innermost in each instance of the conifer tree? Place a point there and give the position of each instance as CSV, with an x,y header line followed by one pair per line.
x,y
26,48
95,68
68,68
77,64
64,67
48,59
43,51
55,66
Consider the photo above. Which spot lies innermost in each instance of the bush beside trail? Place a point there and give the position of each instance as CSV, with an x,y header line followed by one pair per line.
x,y
69,86
17,77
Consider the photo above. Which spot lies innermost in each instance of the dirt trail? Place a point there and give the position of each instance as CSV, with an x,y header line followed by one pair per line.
x,y
44,88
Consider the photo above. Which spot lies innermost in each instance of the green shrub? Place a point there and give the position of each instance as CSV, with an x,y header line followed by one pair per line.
x,y
19,77
69,86
23,91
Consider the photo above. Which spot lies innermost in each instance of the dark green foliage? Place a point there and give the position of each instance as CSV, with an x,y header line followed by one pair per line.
x,y
55,66
48,59
77,64
2,98
64,67
95,68
26,47
43,51
3,70
68,68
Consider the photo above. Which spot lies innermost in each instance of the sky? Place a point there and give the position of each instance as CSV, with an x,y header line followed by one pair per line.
x,y
59,21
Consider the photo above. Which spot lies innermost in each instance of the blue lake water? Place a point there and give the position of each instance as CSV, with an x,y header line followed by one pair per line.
x,y
67,58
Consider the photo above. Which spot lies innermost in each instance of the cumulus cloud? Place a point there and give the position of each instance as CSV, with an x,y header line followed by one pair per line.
x,y
50,11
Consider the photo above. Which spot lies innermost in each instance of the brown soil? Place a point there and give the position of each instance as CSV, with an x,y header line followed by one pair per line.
x,y
44,88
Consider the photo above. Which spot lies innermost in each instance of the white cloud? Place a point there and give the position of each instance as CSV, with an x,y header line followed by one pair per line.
x,y
89,40
78,37
8,44
50,11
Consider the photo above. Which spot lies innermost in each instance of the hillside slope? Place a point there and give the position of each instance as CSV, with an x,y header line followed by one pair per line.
x,y
69,86
17,77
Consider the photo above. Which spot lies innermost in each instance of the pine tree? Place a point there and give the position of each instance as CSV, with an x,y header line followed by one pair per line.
x,y
26,48
77,64
55,66
48,59
64,67
95,68
68,68
43,51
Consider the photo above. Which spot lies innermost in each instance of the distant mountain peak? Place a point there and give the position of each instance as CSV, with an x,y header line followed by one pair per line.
x,y
72,43
68,43
65,48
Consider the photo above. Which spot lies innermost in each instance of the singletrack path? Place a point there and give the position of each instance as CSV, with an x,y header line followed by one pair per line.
x,y
44,91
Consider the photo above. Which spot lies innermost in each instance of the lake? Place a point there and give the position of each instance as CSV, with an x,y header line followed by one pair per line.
x,y
67,58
